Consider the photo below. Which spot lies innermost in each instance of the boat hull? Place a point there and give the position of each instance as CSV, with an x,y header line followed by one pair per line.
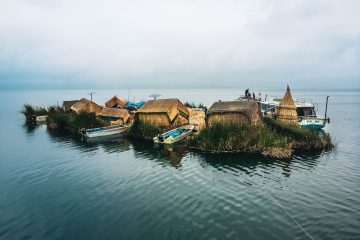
x,y
165,138
313,123
106,131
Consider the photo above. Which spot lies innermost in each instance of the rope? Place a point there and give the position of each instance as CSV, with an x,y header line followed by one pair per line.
x,y
297,223
279,204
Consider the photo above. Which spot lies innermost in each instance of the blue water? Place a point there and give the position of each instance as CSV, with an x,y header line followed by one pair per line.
x,y
57,187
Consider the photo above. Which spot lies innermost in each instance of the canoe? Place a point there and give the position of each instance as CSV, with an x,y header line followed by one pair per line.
x,y
105,131
174,135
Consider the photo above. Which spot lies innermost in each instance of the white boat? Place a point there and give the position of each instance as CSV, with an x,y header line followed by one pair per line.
x,y
41,119
174,135
305,110
105,131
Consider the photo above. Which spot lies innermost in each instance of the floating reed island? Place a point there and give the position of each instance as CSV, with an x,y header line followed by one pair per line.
x,y
227,126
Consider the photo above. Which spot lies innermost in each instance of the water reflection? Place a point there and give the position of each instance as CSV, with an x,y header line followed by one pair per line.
x,y
250,163
165,154
29,128
173,155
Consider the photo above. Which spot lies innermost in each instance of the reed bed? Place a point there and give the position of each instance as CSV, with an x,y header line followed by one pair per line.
x,y
29,111
193,105
242,138
144,130
302,139
70,121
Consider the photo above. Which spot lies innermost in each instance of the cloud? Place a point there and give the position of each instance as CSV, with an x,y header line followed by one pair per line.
x,y
181,43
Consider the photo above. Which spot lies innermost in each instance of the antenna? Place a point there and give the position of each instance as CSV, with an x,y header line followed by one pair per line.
x,y
91,94
326,106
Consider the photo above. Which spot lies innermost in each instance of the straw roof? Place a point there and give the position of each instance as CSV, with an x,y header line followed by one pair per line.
x,y
233,112
68,104
172,107
116,101
249,108
86,105
115,113
286,111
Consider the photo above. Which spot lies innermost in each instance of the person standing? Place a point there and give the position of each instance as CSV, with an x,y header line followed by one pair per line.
x,y
246,93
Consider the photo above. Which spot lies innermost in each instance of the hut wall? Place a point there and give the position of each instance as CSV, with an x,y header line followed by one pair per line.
x,y
228,118
173,112
180,120
160,119
112,123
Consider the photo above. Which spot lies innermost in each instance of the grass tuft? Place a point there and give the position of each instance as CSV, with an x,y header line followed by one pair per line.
x,y
303,139
144,130
245,138
29,111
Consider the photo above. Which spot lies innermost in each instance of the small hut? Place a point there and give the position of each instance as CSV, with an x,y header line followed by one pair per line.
x,y
68,104
85,105
116,102
233,112
286,112
164,112
115,116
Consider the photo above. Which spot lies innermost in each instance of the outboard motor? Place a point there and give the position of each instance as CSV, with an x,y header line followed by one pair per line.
x,y
33,119
83,132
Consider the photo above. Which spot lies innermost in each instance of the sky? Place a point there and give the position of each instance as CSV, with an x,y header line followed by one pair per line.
x,y
82,44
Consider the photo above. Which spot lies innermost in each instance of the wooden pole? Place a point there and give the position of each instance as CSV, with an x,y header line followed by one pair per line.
x,y
326,106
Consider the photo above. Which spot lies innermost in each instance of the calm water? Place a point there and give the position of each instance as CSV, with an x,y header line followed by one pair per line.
x,y
55,187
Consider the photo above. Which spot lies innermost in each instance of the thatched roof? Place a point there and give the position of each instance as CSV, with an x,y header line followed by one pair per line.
x,y
116,102
286,111
115,113
250,108
172,107
68,104
86,105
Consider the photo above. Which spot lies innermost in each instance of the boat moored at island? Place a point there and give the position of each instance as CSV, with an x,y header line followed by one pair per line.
x,y
305,109
175,135
105,131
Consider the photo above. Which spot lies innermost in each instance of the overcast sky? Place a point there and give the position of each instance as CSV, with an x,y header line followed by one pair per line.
x,y
187,44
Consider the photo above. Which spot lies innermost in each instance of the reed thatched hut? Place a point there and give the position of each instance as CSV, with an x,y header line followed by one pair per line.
x,y
68,104
233,112
286,112
116,102
85,105
115,116
164,112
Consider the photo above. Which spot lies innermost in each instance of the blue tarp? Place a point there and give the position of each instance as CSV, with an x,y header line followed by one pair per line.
x,y
135,105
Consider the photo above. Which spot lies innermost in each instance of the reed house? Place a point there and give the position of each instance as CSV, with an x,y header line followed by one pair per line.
x,y
85,105
68,104
114,116
164,112
233,112
286,111
116,102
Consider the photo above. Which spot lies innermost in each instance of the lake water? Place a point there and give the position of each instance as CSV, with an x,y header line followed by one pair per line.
x,y
56,187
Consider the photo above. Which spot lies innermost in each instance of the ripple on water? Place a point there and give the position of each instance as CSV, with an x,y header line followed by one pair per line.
x,y
56,187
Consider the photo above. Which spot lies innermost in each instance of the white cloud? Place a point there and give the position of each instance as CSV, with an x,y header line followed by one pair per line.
x,y
203,41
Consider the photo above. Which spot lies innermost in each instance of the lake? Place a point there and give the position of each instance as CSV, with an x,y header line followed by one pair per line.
x,y
58,187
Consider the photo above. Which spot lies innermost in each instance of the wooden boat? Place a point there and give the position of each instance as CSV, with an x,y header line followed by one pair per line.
x,y
41,119
105,131
174,135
